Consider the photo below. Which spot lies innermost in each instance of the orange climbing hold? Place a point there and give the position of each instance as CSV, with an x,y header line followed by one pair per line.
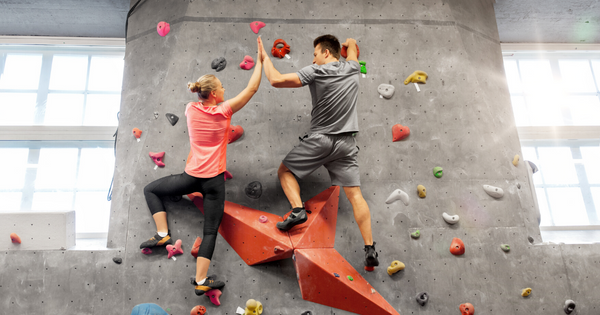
x,y
280,52
467,309
15,238
196,246
399,132
457,247
137,133
198,310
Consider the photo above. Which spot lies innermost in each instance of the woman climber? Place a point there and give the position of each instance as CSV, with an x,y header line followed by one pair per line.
x,y
208,122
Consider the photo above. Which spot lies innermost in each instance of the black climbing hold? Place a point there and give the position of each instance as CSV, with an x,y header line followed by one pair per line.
x,y
422,298
254,190
530,239
173,119
118,260
219,64
307,313
569,306
534,167
175,198
336,275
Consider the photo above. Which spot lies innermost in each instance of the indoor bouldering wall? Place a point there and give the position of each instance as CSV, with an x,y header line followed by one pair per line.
x,y
460,120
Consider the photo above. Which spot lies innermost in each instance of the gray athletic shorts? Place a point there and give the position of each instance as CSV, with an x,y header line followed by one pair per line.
x,y
337,153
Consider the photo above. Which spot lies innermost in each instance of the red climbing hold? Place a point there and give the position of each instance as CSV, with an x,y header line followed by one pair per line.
x,y
146,251
235,132
457,247
399,132
163,28
467,309
15,238
196,246
369,268
344,52
137,133
257,25
214,295
198,310
174,249
228,175
280,52
158,158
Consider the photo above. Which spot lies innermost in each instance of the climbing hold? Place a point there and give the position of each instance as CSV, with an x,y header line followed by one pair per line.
x,y
438,172
534,167
386,90
277,249
228,175
146,251
457,247
15,238
394,267
280,52
416,77
218,64
253,307
214,296
247,63
530,239
495,192
173,119
336,275
363,67
157,158
137,133
117,260
369,268
467,309
505,247
155,115
148,308
344,52
350,278
196,246
422,191
254,190
235,133
450,219
263,219
422,298
569,306
174,249
415,234
516,160
526,292
257,25
399,132
397,195
163,28
198,310
307,313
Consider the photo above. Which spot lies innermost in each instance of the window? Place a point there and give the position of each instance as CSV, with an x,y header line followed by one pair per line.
x,y
60,105
556,103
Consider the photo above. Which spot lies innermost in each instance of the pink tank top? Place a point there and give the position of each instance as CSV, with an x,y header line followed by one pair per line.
x,y
208,128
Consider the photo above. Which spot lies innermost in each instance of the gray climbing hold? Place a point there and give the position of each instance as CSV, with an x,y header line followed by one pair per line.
x,y
495,192
569,306
450,219
386,90
219,64
519,185
422,298
397,195
530,239
254,190
505,247
173,119
415,234
155,115
117,260
533,167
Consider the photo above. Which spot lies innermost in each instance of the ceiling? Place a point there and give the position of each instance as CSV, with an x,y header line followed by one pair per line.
x,y
519,21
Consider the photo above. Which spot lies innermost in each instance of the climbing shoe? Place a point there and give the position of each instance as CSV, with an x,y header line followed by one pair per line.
x,y
210,283
157,240
371,257
293,219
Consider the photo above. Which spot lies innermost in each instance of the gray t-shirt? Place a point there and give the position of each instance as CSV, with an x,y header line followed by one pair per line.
x,y
334,90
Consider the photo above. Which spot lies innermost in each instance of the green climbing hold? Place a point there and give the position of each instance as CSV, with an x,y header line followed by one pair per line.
x,y
415,234
168,309
505,247
350,278
438,172
363,67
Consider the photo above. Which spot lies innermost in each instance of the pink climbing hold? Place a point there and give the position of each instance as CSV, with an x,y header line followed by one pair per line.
x,y
228,175
146,251
158,158
263,219
235,133
247,63
174,250
163,28
257,25
214,295
15,238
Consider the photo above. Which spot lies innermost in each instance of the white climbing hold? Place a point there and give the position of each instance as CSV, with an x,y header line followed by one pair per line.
x,y
386,90
495,192
398,195
450,219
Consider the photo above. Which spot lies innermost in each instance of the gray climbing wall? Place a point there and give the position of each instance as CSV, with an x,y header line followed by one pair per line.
x,y
461,120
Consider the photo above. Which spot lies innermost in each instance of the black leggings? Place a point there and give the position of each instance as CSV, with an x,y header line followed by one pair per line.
x,y
213,191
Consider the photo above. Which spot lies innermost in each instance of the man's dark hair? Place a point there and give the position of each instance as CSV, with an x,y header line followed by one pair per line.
x,y
328,42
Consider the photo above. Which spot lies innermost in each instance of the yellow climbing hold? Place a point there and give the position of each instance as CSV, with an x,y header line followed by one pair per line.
x,y
422,191
395,267
526,292
516,160
416,77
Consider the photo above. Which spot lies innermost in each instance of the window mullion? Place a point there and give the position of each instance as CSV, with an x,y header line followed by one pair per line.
x,y
42,93
85,92
30,177
584,186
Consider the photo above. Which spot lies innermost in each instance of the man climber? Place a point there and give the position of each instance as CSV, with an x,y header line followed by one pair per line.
x,y
334,89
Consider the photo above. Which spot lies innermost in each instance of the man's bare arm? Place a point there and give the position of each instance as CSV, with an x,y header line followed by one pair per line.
x,y
278,80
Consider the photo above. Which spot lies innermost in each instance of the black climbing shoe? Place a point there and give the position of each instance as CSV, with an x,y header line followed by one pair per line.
x,y
156,240
371,256
210,283
292,220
